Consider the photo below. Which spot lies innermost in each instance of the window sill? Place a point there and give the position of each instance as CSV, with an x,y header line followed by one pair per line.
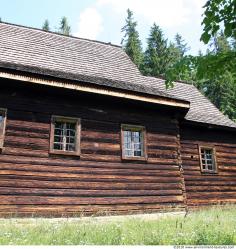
x,y
64,153
127,159
209,172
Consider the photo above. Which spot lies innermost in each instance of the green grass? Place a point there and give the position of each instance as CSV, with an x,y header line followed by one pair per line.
x,y
212,226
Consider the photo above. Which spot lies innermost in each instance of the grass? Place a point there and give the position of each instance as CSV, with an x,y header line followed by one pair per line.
x,y
214,226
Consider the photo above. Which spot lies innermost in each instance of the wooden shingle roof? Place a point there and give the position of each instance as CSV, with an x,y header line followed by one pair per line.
x,y
50,54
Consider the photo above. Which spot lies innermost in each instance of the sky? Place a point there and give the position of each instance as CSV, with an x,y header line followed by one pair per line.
x,y
103,19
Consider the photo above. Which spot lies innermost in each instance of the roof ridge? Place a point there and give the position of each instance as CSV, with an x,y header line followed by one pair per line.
x,y
59,34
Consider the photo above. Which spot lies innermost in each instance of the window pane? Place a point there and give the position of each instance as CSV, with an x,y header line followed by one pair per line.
x,y
1,122
58,139
137,153
210,167
133,143
57,146
128,153
64,136
137,146
207,159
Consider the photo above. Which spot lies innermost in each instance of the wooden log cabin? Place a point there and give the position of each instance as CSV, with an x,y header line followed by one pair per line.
x,y
83,132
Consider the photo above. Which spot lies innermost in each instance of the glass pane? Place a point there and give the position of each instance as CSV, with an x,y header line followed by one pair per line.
x,y
70,147
64,136
137,146
58,125
133,144
1,121
210,167
58,139
57,146
137,153
58,132
207,159
128,153
127,140
136,137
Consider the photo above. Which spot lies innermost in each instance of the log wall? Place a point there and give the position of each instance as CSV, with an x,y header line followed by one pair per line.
x,y
34,181
202,188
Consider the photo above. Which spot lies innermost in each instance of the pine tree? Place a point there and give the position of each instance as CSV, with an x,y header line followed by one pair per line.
x,y
46,25
131,42
156,58
181,45
64,28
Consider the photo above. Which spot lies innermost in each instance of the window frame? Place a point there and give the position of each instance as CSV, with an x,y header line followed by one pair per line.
x,y
3,113
215,167
77,121
134,128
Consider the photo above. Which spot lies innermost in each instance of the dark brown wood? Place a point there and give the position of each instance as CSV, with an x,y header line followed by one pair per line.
x,y
35,181
204,188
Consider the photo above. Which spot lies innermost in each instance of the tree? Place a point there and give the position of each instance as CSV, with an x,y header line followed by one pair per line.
x,y
46,25
181,45
156,57
219,14
64,28
220,43
221,88
131,42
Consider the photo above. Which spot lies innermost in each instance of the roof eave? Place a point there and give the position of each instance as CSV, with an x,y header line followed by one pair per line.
x,y
209,126
91,88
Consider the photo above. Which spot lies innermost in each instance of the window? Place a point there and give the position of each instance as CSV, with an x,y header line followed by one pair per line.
x,y
3,114
133,142
207,159
65,136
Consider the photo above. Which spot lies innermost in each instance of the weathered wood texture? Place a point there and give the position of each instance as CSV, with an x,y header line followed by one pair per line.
x,y
33,181
203,188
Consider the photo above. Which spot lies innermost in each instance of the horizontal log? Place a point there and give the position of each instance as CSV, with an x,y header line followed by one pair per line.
x,y
26,134
79,163
85,208
222,188
87,177
212,182
100,146
74,184
24,152
19,125
88,170
39,200
85,192
213,195
211,201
